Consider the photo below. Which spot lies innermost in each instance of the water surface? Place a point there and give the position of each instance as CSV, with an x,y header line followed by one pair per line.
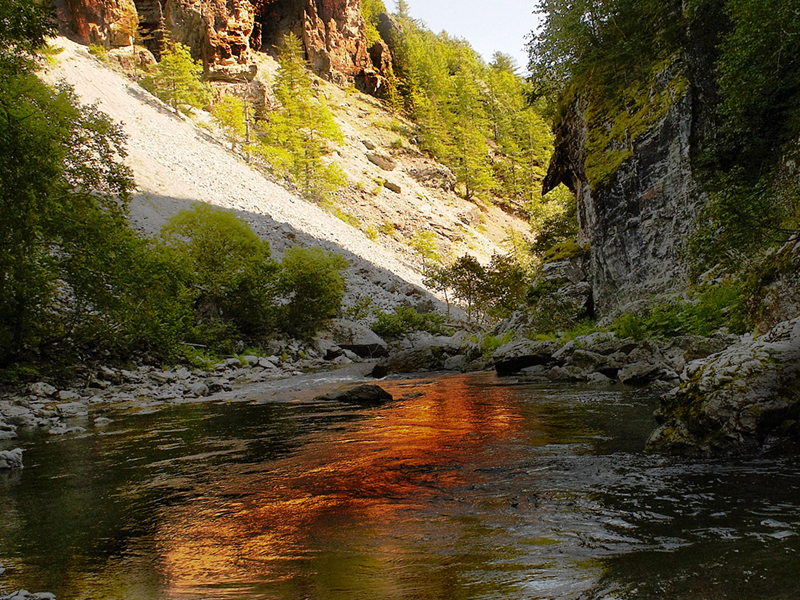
x,y
468,486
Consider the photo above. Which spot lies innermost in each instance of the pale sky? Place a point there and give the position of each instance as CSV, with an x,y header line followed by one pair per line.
x,y
488,26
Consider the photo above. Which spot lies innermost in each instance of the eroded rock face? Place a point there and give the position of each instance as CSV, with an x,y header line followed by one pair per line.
x,y
224,33
635,221
101,21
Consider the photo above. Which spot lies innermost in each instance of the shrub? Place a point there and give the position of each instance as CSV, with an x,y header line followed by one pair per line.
x,y
405,320
312,285
229,271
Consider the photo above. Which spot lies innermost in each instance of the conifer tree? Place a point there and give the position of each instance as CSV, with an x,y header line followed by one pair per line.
x,y
176,79
295,138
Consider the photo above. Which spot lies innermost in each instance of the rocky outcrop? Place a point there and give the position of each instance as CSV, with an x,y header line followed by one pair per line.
x,y
104,22
224,33
738,400
631,171
355,337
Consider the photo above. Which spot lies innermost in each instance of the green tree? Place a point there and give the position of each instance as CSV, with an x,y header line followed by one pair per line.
x,y
228,269
295,138
229,114
176,79
313,286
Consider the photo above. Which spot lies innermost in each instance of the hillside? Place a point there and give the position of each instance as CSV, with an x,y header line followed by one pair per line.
x,y
177,163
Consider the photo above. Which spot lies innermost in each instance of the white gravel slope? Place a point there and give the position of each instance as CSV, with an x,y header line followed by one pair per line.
x,y
176,164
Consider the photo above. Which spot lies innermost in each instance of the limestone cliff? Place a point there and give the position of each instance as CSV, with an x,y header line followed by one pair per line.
x,y
224,33
632,175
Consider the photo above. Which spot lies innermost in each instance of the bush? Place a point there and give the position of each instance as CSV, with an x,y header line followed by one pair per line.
x,y
405,320
228,270
312,285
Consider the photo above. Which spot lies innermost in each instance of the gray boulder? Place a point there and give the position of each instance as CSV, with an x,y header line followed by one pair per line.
x,y
519,354
362,394
737,400
357,338
11,459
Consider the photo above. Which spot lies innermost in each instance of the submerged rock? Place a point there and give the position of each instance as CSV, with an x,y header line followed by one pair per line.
x,y
738,400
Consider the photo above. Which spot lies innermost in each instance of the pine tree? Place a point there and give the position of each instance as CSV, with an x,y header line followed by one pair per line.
x,y
176,79
295,138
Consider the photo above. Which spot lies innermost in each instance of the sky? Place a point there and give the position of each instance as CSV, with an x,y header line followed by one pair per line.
x,y
489,26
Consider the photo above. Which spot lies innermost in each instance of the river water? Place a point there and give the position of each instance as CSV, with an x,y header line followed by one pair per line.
x,y
467,486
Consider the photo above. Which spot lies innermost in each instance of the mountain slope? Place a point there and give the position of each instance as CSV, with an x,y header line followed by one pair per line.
x,y
176,163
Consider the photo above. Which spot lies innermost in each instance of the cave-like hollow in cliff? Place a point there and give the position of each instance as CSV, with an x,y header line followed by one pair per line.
x,y
273,18
150,14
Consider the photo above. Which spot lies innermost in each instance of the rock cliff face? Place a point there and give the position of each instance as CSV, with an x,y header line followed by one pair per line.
x,y
223,33
636,194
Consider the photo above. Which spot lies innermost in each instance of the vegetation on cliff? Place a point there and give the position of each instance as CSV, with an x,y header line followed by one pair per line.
x,y
629,60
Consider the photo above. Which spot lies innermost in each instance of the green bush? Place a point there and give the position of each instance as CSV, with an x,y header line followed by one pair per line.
x,y
228,271
405,320
312,285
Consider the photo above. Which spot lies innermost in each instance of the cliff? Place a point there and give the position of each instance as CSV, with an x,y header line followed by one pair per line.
x,y
632,175
225,33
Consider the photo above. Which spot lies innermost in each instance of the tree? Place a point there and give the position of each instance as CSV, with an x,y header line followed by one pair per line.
x,y
61,178
176,79
295,138
312,286
229,113
229,270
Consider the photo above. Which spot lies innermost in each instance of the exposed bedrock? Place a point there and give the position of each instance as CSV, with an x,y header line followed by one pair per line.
x,y
224,33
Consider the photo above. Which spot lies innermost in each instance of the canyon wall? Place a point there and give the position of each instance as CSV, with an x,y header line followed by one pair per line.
x,y
224,33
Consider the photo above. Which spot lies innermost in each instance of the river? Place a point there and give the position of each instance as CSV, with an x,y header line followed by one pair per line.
x,y
466,486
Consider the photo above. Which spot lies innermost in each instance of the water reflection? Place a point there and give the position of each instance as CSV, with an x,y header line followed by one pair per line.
x,y
467,487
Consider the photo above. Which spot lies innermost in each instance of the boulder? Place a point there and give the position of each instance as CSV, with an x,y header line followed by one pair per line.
x,y
11,459
429,356
519,354
737,400
363,394
357,338
384,162
41,389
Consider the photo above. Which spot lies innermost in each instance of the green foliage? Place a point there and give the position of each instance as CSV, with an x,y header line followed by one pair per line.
x,y
229,114
25,26
98,51
176,79
405,320
227,268
312,285
424,242
295,138
711,309
491,292
490,343
370,9
553,220
472,116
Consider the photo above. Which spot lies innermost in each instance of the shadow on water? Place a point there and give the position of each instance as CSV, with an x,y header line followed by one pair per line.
x,y
466,487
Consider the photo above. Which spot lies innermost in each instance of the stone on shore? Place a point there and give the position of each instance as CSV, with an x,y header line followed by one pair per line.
x,y
740,400
11,459
357,338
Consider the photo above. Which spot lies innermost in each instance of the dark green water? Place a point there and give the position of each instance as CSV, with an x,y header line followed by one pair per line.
x,y
467,487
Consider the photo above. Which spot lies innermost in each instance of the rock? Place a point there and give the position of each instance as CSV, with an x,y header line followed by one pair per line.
x,y
41,389
197,389
71,409
516,355
736,400
384,162
140,58
427,357
251,360
368,144
11,459
458,362
391,185
19,416
635,220
598,379
68,396
340,361
327,349
357,338
368,393
640,372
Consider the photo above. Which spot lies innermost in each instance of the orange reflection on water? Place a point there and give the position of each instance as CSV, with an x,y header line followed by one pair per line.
x,y
354,492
